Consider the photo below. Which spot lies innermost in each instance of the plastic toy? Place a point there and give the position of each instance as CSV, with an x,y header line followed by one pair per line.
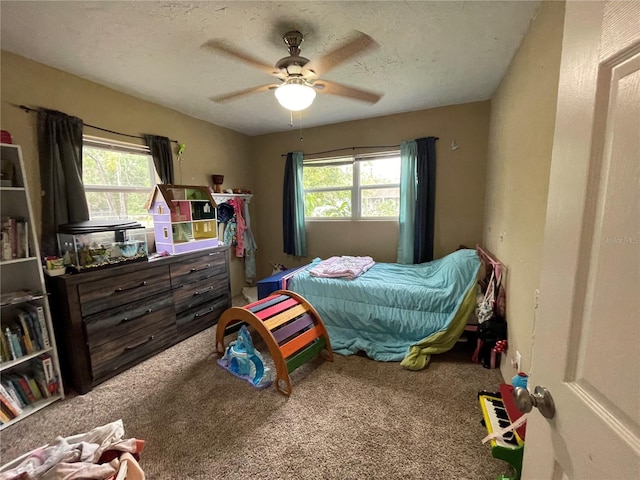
x,y
244,361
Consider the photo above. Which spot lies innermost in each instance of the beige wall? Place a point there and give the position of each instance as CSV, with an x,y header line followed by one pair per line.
x,y
459,183
209,148
520,142
256,162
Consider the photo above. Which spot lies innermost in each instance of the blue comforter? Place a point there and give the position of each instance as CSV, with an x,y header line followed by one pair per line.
x,y
391,306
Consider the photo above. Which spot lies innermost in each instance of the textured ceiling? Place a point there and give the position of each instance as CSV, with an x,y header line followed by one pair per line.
x,y
431,53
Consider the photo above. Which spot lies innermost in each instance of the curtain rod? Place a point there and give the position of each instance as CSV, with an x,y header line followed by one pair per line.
x,y
351,148
29,109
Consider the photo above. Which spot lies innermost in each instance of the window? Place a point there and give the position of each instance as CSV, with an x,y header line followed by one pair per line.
x,y
355,187
118,178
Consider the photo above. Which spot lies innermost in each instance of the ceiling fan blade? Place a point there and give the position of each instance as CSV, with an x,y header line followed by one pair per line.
x,y
359,44
333,88
220,47
241,93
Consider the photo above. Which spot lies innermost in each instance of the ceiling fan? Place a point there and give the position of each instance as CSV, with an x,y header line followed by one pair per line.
x,y
299,75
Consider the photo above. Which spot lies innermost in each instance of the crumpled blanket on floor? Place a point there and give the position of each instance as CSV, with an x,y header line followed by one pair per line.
x,y
101,454
342,267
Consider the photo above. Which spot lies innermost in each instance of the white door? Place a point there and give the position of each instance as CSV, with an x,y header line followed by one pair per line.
x,y
587,333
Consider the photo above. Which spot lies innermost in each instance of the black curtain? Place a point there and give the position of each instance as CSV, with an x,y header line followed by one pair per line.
x,y
60,152
288,207
425,200
162,157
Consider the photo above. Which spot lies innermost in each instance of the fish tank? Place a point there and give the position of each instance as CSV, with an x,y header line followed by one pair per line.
x,y
90,245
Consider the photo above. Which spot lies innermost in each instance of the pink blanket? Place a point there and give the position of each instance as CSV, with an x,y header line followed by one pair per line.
x,y
342,267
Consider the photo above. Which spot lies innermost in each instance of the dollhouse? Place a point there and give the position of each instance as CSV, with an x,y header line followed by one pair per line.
x,y
184,217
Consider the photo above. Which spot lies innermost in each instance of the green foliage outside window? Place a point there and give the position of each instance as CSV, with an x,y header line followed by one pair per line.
x,y
332,187
110,167
117,184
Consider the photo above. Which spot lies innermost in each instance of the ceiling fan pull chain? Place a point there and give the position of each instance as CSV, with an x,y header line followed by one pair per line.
x,y
300,125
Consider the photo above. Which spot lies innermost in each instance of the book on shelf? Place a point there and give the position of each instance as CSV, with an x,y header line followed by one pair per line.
x,y
33,385
11,390
41,381
13,380
23,335
15,348
26,335
45,362
4,418
15,238
38,311
5,352
24,385
34,327
5,398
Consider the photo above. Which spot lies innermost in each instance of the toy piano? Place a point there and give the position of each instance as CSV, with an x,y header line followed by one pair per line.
x,y
499,411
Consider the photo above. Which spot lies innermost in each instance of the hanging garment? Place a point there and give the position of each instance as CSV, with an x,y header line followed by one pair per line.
x,y
249,249
230,232
240,225
225,212
486,309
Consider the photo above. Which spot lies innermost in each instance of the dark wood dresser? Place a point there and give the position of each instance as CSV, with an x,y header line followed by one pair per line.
x,y
110,319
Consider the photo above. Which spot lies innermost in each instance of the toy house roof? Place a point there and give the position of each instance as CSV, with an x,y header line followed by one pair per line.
x,y
165,193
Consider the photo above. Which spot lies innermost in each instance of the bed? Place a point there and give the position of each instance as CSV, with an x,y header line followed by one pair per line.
x,y
395,312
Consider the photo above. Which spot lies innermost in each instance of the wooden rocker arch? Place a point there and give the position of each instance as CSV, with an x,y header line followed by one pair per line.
x,y
289,325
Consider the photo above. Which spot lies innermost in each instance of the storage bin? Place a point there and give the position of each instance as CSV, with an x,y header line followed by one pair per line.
x,y
270,284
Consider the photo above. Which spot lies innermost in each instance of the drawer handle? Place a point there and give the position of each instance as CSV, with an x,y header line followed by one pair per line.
x,y
214,253
201,268
200,292
133,347
201,314
128,319
120,289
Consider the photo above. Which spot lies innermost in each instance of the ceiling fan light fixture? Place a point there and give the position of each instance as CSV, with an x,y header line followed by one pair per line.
x,y
295,94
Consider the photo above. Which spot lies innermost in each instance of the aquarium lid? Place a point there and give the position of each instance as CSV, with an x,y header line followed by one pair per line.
x,y
92,226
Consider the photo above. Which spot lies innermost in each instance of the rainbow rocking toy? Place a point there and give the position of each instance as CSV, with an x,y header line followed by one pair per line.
x,y
291,329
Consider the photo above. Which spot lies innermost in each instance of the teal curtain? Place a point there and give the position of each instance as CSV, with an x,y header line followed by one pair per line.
x,y
293,228
408,183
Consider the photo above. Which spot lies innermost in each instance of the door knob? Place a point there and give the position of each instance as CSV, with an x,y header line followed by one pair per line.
x,y
540,398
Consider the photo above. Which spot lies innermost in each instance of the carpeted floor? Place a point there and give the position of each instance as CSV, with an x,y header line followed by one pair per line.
x,y
351,419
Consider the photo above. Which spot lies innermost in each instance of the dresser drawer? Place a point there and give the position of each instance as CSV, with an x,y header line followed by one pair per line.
x,y
191,294
117,322
117,290
116,355
195,319
200,268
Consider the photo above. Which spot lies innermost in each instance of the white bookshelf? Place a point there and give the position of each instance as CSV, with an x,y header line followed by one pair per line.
x,y
23,273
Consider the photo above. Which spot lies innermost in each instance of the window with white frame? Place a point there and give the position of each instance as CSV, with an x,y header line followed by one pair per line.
x,y
118,178
358,187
